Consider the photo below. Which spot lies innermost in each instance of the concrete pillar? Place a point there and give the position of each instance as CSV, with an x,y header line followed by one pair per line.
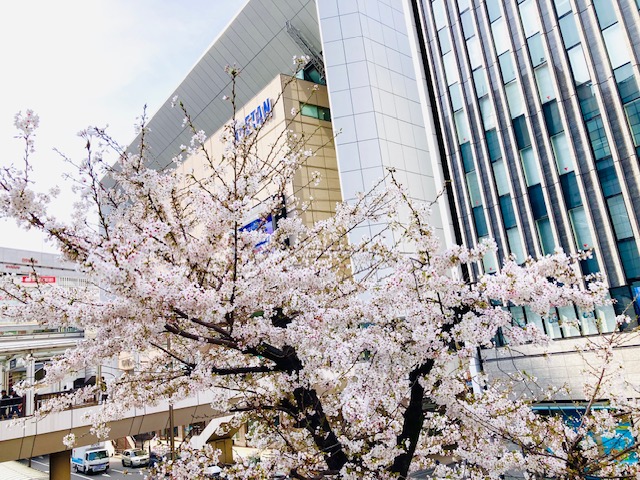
x,y
31,377
60,465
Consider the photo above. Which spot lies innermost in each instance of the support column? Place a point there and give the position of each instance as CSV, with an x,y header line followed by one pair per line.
x,y
31,377
60,465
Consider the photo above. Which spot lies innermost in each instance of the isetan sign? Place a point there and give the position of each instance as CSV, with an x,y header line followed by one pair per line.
x,y
255,118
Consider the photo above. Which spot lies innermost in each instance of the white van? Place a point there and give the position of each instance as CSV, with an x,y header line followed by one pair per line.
x,y
90,459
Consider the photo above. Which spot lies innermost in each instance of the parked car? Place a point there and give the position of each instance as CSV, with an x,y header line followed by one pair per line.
x,y
135,457
212,471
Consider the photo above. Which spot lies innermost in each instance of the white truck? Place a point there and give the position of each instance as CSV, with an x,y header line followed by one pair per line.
x,y
90,459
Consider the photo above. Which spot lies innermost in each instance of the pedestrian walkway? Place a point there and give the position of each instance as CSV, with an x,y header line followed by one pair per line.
x,y
17,471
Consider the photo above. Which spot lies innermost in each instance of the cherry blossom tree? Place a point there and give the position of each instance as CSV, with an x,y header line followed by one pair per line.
x,y
350,358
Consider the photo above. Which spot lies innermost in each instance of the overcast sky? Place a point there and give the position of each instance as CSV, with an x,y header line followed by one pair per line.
x,y
92,62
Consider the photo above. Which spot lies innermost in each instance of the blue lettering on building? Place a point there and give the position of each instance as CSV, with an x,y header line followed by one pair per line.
x,y
255,119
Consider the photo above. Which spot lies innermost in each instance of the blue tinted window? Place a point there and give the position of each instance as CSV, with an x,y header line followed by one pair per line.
x,y
480,222
445,41
493,145
552,117
536,50
493,9
456,97
605,12
545,234
569,31
626,81
633,117
623,299
508,214
468,27
480,82
507,68
629,257
619,217
522,132
598,137
588,102
570,190
590,266
608,177
536,198
467,157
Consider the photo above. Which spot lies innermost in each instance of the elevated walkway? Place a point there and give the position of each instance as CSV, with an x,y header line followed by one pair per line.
x,y
29,437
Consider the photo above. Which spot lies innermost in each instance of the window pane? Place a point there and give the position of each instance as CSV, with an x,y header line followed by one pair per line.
x,y
533,318
544,83
552,118
464,5
309,110
490,262
569,31
488,113
456,97
530,18
480,82
475,52
606,316
588,102
514,99
530,166
562,7
468,28
467,157
551,324
619,217
569,321
545,234
474,189
626,81
522,132
570,190
515,245
480,222
462,126
508,213
450,68
581,230
629,257
616,43
633,117
501,178
605,12
597,135
500,36
562,153
624,300
578,65
507,68
493,9
536,50
608,177
493,145
536,199
439,13
445,41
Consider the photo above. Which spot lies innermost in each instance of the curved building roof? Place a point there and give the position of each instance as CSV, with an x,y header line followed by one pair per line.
x,y
256,40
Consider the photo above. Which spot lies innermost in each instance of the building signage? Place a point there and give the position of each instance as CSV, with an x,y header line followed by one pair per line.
x,y
42,279
255,118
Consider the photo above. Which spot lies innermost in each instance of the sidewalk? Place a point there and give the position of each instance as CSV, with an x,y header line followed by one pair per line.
x,y
18,471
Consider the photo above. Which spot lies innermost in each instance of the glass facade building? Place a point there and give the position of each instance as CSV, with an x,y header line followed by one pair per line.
x,y
539,109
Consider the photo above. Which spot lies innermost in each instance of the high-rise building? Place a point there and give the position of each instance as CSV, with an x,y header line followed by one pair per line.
x,y
538,105
530,108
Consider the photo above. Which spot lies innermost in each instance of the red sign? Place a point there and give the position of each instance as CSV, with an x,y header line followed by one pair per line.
x,y
44,279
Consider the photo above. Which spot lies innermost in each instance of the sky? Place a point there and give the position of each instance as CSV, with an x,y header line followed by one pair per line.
x,y
91,62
